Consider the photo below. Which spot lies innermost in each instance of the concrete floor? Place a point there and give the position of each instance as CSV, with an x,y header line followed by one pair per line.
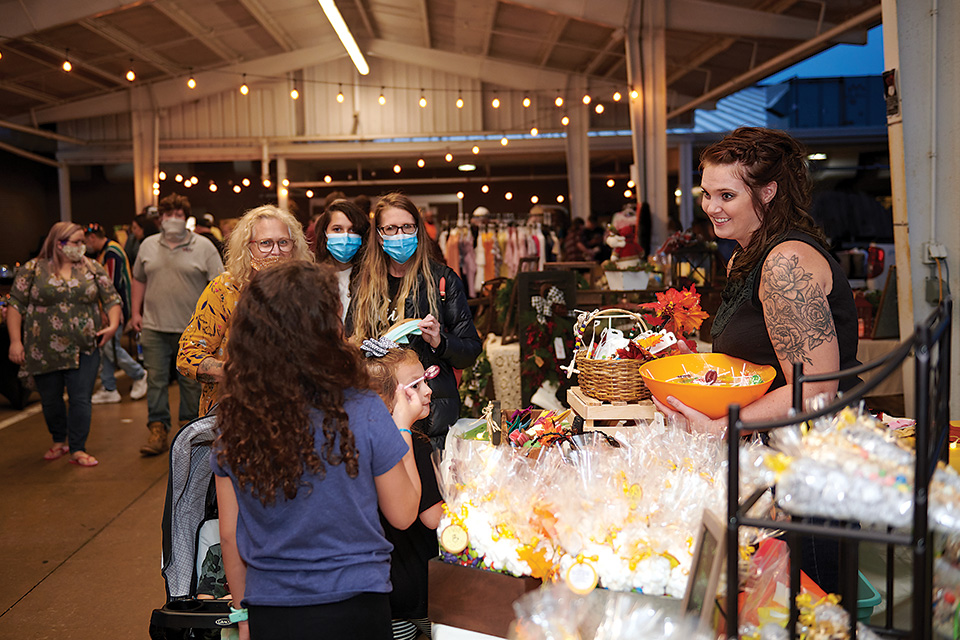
x,y
80,547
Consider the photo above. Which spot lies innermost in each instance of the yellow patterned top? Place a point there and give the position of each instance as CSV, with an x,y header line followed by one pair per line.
x,y
206,333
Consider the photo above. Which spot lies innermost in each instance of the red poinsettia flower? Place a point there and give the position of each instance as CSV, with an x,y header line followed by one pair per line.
x,y
677,311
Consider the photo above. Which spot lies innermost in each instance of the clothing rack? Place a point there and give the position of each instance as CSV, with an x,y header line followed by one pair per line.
x,y
930,345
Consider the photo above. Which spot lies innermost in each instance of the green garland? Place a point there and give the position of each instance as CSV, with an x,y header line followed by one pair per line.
x,y
474,387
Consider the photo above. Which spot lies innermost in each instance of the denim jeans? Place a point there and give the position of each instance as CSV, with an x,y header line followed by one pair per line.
x,y
108,367
71,426
159,350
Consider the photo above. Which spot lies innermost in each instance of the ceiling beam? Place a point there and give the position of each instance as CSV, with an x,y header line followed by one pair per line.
x,y
92,81
41,132
559,23
206,35
489,24
23,18
710,17
425,21
263,17
27,92
506,74
365,16
615,42
130,45
172,92
782,61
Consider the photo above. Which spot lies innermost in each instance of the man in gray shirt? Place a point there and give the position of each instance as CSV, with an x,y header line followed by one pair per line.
x,y
172,269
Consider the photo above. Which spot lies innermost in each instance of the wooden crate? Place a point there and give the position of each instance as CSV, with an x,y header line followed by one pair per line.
x,y
595,413
474,599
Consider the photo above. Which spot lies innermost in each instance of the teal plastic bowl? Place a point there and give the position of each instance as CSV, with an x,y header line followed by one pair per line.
x,y
867,599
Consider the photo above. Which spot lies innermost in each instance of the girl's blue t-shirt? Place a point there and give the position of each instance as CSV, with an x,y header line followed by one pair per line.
x,y
326,545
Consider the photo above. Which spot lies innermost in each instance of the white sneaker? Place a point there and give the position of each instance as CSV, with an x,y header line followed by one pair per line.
x,y
139,388
105,397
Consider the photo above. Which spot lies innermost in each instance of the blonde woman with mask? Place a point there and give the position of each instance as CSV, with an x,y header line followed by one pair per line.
x,y
263,237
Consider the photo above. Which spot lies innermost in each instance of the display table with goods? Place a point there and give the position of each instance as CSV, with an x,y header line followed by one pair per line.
x,y
839,473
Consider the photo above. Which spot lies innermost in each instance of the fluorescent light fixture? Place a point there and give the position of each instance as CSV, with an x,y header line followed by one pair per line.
x,y
343,32
467,167
817,156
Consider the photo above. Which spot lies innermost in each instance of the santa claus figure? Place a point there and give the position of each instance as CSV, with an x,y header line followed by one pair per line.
x,y
622,238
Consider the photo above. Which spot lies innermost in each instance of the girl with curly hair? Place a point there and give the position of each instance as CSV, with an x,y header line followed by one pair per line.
x,y
305,456
787,300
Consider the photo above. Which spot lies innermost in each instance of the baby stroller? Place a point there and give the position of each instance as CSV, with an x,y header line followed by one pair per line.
x,y
191,539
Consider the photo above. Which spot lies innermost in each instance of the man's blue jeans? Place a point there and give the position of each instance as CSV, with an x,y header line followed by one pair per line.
x,y
71,426
159,350
108,367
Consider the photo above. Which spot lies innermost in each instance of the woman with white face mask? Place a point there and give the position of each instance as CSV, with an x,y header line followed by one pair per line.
x,y
263,237
341,238
57,299
399,281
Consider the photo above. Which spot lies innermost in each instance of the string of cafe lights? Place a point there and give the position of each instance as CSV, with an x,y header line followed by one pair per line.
x,y
495,102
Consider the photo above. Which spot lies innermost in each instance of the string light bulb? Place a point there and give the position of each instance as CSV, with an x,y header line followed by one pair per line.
x,y
156,185
460,100
283,192
191,82
178,178
508,195
131,74
66,61
244,89
599,108
309,193
611,182
560,199
504,141
382,100
558,101
213,187
586,98
236,188
245,182
475,149
396,168
267,183
526,102
328,178
628,194
448,157
496,103
460,195
485,188
156,192
564,120
534,132
534,199
162,175
294,93
421,163
423,100
285,182
634,94
616,96
340,93
631,184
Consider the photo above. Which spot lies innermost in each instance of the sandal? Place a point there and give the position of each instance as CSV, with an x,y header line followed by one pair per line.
x,y
84,459
56,451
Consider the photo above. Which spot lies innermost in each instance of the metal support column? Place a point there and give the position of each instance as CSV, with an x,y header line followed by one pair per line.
x,y
282,191
578,150
63,177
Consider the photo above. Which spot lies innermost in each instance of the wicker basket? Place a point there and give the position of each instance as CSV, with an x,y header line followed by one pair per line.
x,y
611,380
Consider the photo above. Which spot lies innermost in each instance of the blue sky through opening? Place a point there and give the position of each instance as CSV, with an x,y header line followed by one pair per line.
x,y
839,60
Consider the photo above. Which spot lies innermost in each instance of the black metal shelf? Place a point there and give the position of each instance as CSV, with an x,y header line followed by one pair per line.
x,y
930,346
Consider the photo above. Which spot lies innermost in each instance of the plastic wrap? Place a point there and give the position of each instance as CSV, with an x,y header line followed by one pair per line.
x,y
556,612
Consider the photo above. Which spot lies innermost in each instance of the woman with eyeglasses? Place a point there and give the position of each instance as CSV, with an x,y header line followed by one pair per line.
x,y
399,281
341,237
56,299
263,237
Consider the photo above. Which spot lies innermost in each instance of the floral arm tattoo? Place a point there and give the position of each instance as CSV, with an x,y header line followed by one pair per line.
x,y
210,370
795,309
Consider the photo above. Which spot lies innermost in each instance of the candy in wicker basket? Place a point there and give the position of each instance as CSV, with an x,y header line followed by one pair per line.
x,y
610,380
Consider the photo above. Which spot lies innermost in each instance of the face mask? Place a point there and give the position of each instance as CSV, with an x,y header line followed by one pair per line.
x,y
343,246
73,252
400,247
174,226
259,264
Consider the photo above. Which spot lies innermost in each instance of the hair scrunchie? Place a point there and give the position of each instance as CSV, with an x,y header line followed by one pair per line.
x,y
377,348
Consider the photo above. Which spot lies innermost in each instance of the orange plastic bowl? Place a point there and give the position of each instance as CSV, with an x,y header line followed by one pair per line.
x,y
712,400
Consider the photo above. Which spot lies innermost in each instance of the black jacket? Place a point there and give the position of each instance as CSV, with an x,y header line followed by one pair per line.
x,y
458,349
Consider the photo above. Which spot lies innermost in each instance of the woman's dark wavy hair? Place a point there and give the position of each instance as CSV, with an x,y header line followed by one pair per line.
x,y
763,156
287,354
357,217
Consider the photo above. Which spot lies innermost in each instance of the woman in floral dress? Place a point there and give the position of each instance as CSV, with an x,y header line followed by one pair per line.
x,y
57,300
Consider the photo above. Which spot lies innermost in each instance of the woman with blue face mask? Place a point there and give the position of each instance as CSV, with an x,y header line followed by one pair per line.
x,y
341,239
400,281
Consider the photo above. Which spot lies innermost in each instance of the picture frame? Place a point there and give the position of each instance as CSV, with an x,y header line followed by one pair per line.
x,y
709,563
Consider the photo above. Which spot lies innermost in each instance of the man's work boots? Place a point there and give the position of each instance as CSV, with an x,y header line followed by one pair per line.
x,y
157,440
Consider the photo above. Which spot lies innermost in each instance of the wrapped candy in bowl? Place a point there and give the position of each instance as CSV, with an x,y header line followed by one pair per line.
x,y
707,382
